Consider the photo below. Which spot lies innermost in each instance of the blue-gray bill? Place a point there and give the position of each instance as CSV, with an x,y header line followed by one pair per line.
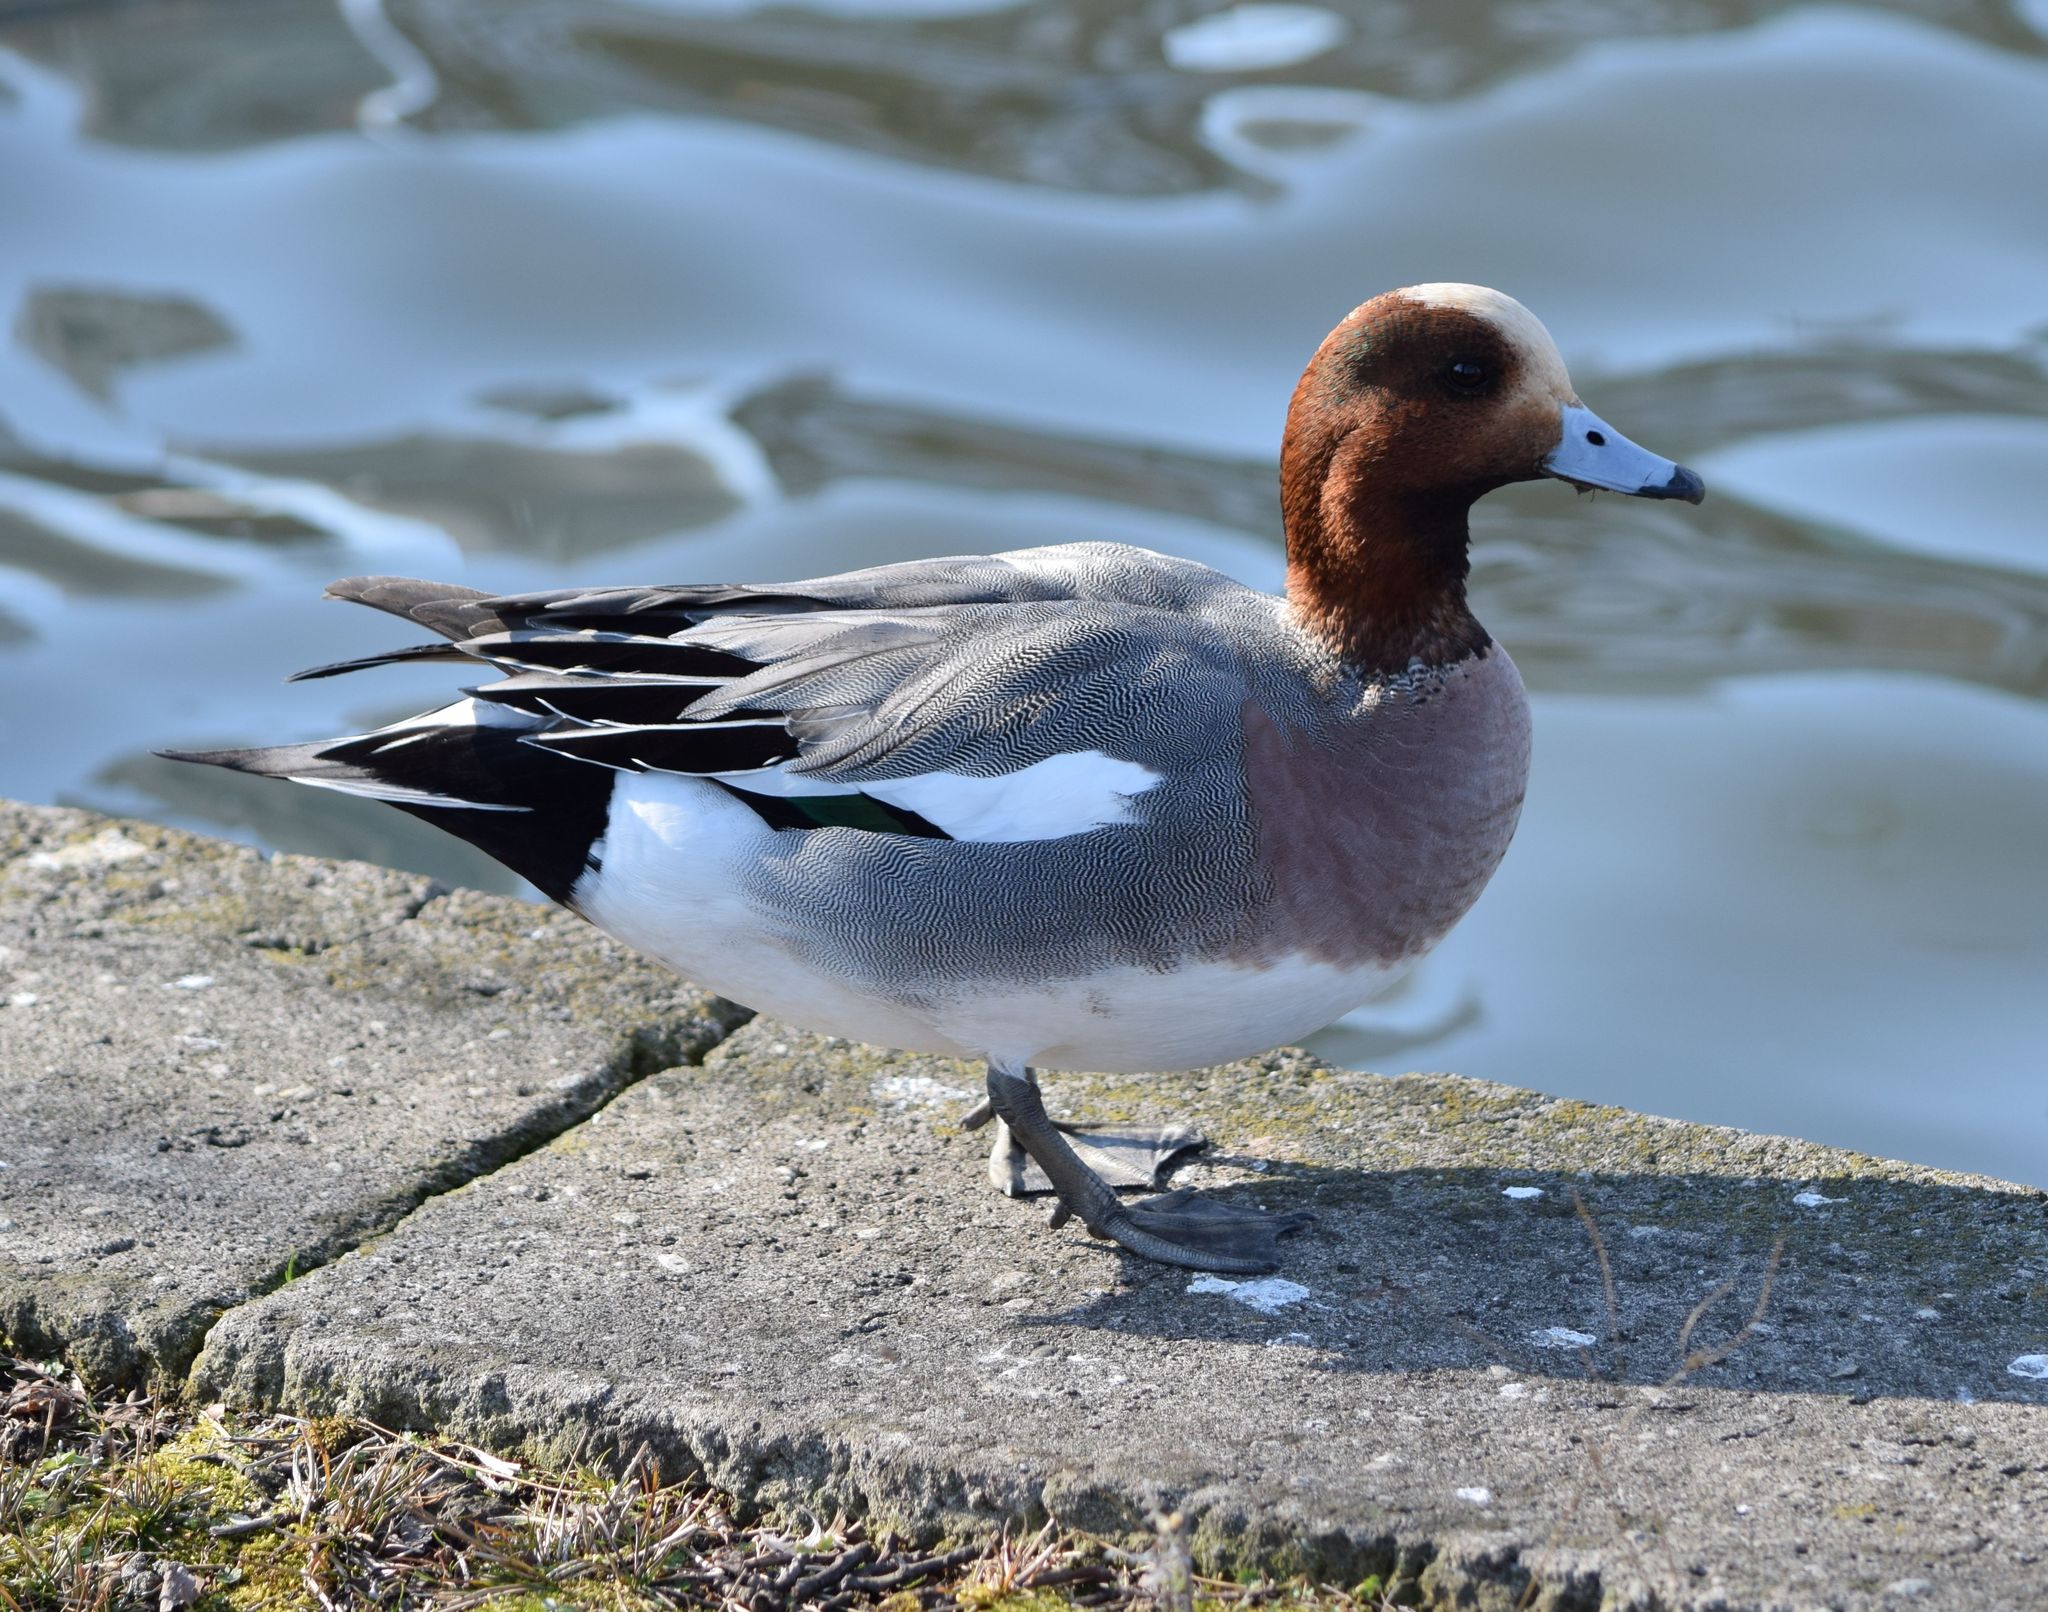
x,y
1591,453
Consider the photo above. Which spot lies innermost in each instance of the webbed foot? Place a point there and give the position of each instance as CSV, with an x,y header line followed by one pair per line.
x,y
1136,1158
1181,1228
1190,1229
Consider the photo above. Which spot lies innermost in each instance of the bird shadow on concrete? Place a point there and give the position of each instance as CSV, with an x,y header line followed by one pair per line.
x,y
1853,1287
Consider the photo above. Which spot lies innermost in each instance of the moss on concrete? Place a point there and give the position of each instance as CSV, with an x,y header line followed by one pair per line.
x,y
84,1517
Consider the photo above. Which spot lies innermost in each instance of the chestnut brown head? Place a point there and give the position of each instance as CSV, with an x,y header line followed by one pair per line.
x,y
1422,401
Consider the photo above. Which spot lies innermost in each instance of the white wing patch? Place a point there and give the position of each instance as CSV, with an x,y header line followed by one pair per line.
x,y
1070,793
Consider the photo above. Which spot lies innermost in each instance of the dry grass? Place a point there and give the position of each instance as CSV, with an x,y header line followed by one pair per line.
x,y
120,1502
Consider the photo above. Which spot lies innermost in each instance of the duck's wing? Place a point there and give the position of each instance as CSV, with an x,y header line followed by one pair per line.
x,y
1096,572
1005,697
1010,697
984,691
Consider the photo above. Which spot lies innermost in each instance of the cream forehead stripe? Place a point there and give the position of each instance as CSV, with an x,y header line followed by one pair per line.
x,y
1523,330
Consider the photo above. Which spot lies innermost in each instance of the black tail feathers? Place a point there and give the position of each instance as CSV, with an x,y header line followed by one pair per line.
x,y
512,801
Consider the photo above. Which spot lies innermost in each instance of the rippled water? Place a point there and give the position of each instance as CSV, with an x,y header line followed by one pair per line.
x,y
516,292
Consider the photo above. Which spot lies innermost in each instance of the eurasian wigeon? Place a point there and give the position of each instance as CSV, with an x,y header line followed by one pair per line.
x,y
1077,807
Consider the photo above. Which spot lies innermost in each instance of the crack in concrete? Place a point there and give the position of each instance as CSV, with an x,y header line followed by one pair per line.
x,y
107,1082
647,1051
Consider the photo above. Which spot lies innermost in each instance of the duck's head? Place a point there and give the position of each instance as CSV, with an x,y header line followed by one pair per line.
x,y
1421,402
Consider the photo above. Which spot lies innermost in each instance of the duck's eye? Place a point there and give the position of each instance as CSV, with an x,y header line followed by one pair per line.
x,y
1466,375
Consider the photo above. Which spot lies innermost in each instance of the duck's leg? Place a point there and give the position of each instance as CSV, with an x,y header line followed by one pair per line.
x,y
1181,1228
1132,1159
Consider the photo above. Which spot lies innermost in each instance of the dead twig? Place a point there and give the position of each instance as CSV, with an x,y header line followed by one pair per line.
x,y
805,1589
1606,1281
1691,1361
243,1527
910,1572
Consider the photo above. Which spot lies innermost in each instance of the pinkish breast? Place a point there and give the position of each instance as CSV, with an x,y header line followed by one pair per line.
x,y
1376,832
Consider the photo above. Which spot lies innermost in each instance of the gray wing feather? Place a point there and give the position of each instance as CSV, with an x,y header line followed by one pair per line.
x,y
983,689
978,664
1116,572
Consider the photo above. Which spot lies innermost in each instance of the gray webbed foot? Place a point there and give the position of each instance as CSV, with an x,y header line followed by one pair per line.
x,y
1133,1159
1191,1229
1182,1228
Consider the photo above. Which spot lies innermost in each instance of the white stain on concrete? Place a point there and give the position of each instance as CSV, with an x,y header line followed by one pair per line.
x,y
917,1091
103,850
1521,1194
1268,1295
1476,1495
2032,1367
1562,1338
1814,1200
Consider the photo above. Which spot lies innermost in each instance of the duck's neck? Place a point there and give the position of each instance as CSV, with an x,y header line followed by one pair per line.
x,y
1377,573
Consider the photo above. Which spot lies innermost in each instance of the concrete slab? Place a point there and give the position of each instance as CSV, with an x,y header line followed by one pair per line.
x,y
785,1270
218,1069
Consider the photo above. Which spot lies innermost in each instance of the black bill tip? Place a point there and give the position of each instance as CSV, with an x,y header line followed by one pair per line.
x,y
1684,484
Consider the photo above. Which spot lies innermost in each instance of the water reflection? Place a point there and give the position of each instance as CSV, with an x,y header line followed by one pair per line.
x,y
1939,483
540,290
1080,93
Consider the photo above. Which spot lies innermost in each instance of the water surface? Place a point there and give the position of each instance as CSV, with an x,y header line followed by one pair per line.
x,y
540,291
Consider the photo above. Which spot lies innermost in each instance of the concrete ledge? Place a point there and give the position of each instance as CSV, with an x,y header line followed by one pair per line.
x,y
219,1068
785,1269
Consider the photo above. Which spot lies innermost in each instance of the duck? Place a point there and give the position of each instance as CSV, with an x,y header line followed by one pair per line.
x,y
1077,807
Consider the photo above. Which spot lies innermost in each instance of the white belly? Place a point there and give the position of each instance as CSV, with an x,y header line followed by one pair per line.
x,y
1136,1019
669,885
